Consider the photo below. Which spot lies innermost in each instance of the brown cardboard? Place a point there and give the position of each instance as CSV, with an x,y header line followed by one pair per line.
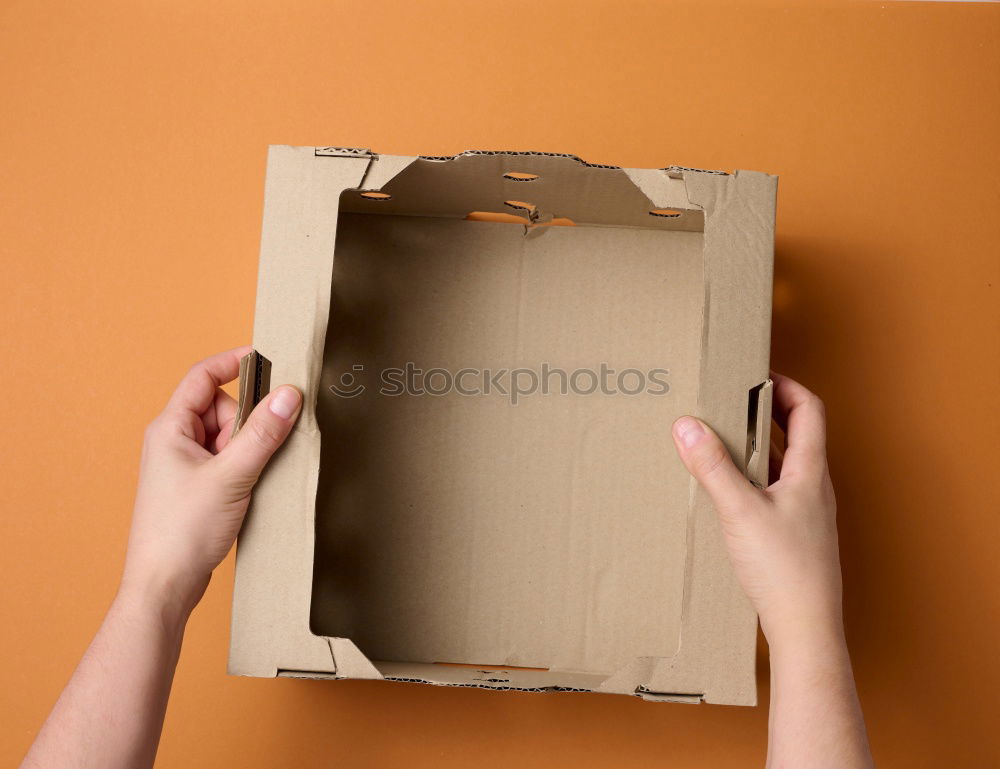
x,y
552,544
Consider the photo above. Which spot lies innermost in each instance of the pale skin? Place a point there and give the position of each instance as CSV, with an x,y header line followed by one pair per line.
x,y
782,542
194,488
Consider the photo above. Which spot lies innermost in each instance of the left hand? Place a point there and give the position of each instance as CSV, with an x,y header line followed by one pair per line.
x,y
195,483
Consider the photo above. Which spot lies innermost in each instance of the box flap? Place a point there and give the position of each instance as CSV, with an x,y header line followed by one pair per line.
x,y
554,185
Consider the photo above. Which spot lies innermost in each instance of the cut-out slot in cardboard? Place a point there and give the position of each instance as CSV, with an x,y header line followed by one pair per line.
x,y
496,216
753,406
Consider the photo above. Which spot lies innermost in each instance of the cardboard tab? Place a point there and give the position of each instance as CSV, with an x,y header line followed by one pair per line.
x,y
255,383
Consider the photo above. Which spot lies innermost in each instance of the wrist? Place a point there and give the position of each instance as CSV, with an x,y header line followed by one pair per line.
x,y
803,615
811,644
170,602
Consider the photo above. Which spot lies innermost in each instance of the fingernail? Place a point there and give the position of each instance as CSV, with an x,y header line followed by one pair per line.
x,y
284,401
688,431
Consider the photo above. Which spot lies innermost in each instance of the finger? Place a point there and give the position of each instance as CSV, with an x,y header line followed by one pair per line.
x,y
801,416
775,458
265,430
778,414
221,414
196,391
707,459
208,419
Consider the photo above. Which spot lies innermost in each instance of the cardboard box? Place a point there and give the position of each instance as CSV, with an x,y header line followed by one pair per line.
x,y
465,529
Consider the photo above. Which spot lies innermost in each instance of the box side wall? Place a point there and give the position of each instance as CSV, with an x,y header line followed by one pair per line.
x,y
718,647
274,556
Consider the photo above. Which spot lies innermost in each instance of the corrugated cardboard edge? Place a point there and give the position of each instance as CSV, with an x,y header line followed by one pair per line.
x,y
255,383
270,631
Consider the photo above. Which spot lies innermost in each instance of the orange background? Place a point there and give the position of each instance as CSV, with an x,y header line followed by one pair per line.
x,y
131,175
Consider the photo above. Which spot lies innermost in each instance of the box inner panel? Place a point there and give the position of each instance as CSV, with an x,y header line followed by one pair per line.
x,y
465,528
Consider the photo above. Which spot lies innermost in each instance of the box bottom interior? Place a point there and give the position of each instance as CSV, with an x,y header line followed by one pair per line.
x,y
550,533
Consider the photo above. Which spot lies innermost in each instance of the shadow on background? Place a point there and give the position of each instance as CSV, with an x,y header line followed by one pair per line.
x,y
845,328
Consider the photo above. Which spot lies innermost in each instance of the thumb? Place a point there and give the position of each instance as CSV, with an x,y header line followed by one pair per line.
x,y
267,427
707,459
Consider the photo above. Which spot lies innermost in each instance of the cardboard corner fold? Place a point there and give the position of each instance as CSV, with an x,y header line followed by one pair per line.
x,y
349,662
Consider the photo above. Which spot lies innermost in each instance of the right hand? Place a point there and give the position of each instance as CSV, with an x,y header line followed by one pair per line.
x,y
782,541
195,482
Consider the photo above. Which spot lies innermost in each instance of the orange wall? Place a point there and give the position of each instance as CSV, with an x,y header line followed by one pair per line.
x,y
131,175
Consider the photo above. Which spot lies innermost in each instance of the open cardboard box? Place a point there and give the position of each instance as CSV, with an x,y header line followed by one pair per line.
x,y
460,538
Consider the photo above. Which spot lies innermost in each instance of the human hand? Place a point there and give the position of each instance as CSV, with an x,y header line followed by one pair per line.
x,y
195,483
782,541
